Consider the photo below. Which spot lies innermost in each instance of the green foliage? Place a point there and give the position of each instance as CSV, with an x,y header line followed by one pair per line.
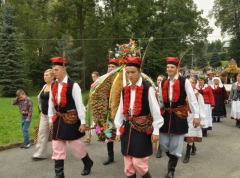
x,y
176,25
65,48
223,56
202,62
215,59
12,71
234,51
226,14
215,45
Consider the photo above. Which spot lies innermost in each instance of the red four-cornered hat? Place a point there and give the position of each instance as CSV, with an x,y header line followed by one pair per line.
x,y
113,61
173,60
133,61
59,61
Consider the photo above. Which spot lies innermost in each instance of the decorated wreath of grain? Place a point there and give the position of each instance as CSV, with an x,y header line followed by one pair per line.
x,y
98,99
116,94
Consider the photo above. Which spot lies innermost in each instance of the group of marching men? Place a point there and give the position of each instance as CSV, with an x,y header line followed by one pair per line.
x,y
187,109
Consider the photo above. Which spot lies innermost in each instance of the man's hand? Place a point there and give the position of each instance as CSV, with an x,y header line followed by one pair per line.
x,y
27,120
196,122
212,108
82,128
118,138
154,138
51,126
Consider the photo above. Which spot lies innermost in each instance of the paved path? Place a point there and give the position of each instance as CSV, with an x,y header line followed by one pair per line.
x,y
218,156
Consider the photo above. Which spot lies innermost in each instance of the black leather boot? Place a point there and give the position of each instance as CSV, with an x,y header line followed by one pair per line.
x,y
237,123
147,175
59,168
88,163
110,153
172,165
132,176
159,152
187,156
168,154
194,149
214,120
218,120
204,132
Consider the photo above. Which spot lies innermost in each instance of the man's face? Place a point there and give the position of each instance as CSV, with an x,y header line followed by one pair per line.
x,y
58,72
171,70
210,76
133,73
94,77
22,97
159,80
111,67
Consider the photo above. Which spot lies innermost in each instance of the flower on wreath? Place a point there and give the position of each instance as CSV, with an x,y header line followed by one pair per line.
x,y
127,50
98,129
108,133
110,125
232,68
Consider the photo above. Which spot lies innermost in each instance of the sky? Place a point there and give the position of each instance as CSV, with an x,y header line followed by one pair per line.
x,y
206,6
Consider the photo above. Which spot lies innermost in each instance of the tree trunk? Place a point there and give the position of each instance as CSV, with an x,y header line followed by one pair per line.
x,y
80,17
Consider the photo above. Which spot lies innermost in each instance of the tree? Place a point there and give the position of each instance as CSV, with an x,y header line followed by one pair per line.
x,y
234,51
12,70
65,48
215,59
223,56
201,62
227,15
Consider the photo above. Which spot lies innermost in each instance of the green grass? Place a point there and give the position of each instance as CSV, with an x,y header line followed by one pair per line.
x,y
224,63
10,120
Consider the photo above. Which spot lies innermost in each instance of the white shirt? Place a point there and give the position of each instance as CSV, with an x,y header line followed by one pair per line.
x,y
153,105
193,104
210,82
77,97
202,110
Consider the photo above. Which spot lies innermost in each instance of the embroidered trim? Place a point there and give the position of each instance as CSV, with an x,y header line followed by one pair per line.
x,y
176,91
138,100
63,94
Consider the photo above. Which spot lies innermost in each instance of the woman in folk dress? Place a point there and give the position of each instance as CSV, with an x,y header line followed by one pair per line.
x,y
220,96
208,97
235,100
194,134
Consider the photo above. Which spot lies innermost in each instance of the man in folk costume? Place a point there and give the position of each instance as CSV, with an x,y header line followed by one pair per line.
x,y
210,76
66,118
112,65
173,93
138,105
